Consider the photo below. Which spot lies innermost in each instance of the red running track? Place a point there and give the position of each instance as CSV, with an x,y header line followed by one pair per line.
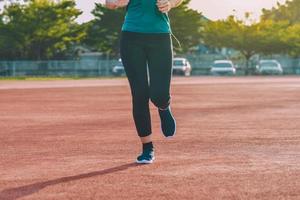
x,y
238,138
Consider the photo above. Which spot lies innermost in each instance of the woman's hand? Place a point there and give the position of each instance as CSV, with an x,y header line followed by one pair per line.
x,y
113,4
164,6
122,3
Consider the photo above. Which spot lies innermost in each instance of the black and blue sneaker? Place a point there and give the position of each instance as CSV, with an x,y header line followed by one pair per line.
x,y
147,157
168,122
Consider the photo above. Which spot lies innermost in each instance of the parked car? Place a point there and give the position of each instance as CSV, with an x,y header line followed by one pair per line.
x,y
271,67
118,69
223,67
182,66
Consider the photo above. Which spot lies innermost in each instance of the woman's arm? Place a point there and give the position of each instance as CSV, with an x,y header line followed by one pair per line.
x,y
165,6
114,4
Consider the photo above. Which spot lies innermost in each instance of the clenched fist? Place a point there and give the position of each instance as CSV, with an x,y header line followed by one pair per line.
x,y
122,3
164,6
113,4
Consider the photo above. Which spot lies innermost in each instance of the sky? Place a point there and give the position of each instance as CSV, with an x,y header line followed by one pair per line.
x,y
213,9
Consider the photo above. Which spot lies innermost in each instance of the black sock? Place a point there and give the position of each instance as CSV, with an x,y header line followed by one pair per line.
x,y
148,147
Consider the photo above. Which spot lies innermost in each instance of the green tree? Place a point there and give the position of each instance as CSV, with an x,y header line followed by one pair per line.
x,y
249,39
289,11
186,25
271,37
104,31
291,37
39,29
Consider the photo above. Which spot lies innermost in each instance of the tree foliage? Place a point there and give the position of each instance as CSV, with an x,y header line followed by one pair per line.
x,y
289,11
264,37
186,25
277,32
39,29
46,29
291,37
104,31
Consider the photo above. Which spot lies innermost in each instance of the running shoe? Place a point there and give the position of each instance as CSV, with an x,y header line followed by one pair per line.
x,y
147,157
168,122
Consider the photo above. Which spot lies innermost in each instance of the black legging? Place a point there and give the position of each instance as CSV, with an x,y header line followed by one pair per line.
x,y
139,50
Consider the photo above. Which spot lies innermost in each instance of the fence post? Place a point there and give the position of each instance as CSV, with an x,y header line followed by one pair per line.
x,y
98,66
107,67
75,70
107,64
14,69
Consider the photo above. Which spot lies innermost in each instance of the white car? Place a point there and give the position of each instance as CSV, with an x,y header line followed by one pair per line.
x,y
223,67
182,66
269,67
118,69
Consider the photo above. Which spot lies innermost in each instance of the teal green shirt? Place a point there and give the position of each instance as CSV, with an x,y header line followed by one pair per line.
x,y
143,16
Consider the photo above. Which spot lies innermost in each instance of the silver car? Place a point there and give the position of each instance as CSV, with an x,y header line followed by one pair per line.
x,y
272,67
118,69
182,66
223,67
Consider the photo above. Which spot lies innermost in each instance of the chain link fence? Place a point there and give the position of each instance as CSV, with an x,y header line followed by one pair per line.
x,y
57,68
202,64
94,68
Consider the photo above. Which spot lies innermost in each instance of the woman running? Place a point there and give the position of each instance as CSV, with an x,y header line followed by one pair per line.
x,y
147,54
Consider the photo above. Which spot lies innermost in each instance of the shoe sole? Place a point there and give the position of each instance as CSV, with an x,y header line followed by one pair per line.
x,y
144,161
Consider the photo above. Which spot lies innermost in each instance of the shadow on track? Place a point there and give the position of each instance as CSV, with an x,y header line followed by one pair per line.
x,y
18,192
